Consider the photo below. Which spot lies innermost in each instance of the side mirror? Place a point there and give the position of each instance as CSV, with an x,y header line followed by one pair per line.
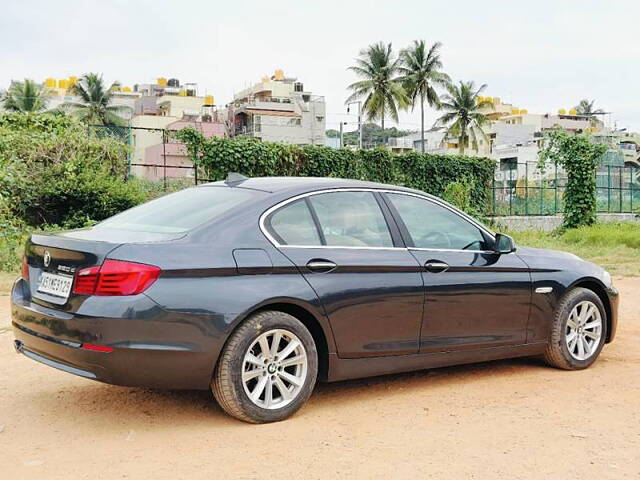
x,y
504,244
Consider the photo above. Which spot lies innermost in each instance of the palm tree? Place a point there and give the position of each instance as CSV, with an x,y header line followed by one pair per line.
x,y
587,108
421,73
383,92
94,106
26,96
464,117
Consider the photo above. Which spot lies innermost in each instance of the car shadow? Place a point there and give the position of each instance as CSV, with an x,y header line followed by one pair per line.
x,y
95,402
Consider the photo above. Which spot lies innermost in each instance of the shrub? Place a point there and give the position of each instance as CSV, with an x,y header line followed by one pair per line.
x,y
216,157
458,193
54,171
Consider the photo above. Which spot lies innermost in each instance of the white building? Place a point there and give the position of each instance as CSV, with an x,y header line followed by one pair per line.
x,y
278,109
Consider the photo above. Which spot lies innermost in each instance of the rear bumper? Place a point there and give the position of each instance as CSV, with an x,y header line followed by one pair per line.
x,y
139,358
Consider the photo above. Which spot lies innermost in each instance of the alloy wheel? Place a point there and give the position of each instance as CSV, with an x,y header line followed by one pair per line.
x,y
584,330
274,369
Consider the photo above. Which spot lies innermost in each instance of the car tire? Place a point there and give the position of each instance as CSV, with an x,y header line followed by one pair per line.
x,y
575,343
259,387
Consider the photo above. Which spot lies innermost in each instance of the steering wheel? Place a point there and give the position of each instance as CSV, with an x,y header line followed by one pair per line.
x,y
436,239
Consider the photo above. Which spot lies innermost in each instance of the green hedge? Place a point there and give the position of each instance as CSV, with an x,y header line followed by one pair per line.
x,y
216,157
53,171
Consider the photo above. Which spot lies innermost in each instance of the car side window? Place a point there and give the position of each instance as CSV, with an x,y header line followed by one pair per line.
x,y
434,226
351,219
294,225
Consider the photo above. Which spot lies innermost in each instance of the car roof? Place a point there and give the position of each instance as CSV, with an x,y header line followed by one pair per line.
x,y
296,185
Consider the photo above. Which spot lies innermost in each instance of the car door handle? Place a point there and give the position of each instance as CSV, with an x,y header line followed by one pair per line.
x,y
435,266
320,265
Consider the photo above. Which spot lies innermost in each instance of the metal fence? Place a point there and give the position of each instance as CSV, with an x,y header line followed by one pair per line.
x,y
525,189
518,188
155,154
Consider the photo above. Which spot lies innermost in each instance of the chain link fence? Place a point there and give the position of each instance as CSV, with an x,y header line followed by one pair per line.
x,y
525,189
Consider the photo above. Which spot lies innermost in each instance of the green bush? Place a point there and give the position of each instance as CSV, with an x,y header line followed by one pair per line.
x,y
216,157
458,193
580,157
54,171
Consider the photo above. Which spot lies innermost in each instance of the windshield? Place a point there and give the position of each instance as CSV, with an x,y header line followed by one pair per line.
x,y
181,211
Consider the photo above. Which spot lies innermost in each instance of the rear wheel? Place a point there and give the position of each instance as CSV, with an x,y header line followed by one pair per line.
x,y
267,369
578,332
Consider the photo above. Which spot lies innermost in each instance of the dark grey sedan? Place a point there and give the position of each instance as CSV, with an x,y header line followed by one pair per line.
x,y
257,287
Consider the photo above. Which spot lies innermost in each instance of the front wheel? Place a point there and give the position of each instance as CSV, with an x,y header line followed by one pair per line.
x,y
267,369
578,332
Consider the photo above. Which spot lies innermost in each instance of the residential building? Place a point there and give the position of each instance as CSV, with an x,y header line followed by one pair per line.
x,y
278,109
154,109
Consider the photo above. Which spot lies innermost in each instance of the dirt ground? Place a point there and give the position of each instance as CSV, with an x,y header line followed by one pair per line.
x,y
512,419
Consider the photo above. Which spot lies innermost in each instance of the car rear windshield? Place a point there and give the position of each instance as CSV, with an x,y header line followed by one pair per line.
x,y
181,211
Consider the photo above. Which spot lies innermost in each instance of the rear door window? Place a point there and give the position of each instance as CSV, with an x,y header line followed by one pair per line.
x,y
351,219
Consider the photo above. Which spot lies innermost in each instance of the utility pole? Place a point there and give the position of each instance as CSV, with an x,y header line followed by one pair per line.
x,y
341,135
359,122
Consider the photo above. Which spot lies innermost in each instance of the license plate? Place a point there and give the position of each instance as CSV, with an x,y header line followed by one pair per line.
x,y
56,285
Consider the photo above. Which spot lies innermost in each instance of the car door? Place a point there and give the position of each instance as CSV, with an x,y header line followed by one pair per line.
x,y
475,298
347,246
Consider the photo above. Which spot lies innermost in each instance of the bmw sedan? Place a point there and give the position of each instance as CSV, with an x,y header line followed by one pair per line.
x,y
257,288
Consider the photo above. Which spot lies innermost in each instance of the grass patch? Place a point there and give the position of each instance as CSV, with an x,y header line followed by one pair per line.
x,y
614,246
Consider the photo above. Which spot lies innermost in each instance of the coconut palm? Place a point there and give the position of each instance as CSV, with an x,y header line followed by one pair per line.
x,y
421,73
587,108
94,105
25,96
380,86
464,117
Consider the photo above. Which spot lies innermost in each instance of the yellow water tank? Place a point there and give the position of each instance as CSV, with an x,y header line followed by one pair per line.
x,y
479,99
515,111
50,83
62,83
126,89
488,99
279,74
524,111
182,93
562,111
265,79
573,112
73,80
208,100
161,81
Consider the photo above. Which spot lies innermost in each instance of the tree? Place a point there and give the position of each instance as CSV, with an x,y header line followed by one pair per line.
x,y
380,86
587,108
94,106
372,134
464,117
421,73
26,96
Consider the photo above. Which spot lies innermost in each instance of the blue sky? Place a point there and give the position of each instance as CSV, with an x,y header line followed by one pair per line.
x,y
539,55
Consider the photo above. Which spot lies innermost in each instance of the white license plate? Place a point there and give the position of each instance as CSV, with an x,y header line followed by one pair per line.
x,y
56,285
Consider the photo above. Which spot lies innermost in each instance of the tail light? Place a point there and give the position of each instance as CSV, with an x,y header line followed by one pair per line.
x,y
25,268
115,277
